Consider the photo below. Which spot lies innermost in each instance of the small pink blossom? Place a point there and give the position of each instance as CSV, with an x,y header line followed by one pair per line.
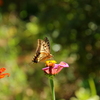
x,y
54,68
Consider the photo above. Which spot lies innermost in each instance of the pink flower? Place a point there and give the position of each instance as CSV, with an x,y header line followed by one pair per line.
x,y
3,75
53,69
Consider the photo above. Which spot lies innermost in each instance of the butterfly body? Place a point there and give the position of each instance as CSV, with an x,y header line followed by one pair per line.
x,y
42,51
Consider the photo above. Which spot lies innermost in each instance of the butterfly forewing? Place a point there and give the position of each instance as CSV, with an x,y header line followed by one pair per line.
x,y
45,47
42,51
37,53
47,42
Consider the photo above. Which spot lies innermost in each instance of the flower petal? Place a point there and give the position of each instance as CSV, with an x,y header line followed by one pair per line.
x,y
64,64
3,75
2,70
45,68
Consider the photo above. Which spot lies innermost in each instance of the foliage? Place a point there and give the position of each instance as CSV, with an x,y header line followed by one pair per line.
x,y
87,94
72,27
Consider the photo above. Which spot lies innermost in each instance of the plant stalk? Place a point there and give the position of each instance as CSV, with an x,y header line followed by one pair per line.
x,y
52,88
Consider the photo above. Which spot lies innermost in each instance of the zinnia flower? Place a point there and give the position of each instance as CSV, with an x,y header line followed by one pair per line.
x,y
52,68
3,75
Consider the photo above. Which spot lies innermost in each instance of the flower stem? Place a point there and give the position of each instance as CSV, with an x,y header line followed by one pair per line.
x,y
52,88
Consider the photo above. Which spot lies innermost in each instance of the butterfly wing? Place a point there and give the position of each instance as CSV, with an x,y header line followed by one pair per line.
x,y
45,46
47,42
37,53
42,51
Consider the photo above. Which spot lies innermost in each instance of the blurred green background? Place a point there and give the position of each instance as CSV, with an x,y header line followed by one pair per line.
x,y
73,28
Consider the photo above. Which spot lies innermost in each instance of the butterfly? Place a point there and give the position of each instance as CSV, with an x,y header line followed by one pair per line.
x,y
42,51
